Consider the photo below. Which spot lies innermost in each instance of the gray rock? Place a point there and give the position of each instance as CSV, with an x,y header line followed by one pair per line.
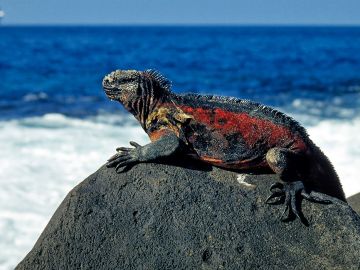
x,y
158,216
354,202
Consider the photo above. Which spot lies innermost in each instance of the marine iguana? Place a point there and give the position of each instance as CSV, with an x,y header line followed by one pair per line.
x,y
231,133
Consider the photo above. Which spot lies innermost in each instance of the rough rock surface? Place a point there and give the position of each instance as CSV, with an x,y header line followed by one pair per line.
x,y
158,216
354,202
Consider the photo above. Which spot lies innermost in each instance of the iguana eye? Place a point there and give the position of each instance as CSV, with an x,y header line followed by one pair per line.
x,y
126,80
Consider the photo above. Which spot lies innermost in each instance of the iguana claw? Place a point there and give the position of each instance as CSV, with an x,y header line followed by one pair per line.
x,y
289,193
125,156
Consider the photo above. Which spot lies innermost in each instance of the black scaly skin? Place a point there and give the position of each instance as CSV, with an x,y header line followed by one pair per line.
x,y
189,125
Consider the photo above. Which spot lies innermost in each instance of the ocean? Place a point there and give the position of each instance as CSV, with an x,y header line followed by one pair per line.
x,y
57,126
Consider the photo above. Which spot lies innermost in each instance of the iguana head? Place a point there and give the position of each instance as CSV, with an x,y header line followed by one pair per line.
x,y
138,91
121,84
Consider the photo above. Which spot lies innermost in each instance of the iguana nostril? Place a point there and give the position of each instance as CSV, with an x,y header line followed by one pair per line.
x,y
108,79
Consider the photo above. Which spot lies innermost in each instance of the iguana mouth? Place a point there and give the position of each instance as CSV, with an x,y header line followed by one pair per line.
x,y
110,91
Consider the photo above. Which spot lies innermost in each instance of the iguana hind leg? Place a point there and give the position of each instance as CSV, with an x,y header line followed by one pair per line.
x,y
291,167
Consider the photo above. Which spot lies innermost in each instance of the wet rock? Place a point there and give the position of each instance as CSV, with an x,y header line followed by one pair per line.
x,y
157,216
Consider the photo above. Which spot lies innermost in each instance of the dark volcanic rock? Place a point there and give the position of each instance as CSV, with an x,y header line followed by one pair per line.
x,y
165,217
354,202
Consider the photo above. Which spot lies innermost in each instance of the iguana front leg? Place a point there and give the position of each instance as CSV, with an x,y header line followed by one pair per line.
x,y
291,167
165,146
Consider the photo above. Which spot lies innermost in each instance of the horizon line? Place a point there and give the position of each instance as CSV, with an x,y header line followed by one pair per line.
x,y
177,25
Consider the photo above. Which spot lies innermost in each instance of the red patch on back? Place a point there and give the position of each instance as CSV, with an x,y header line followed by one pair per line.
x,y
251,128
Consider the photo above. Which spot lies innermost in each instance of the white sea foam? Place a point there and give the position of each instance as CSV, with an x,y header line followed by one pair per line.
x,y
35,96
340,141
43,158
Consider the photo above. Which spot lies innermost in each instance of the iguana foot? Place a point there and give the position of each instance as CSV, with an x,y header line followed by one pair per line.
x,y
125,156
290,194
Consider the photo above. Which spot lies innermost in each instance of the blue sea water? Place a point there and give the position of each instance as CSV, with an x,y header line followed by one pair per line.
x,y
57,126
59,69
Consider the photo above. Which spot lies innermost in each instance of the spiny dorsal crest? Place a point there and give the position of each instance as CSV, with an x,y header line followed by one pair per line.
x,y
163,82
